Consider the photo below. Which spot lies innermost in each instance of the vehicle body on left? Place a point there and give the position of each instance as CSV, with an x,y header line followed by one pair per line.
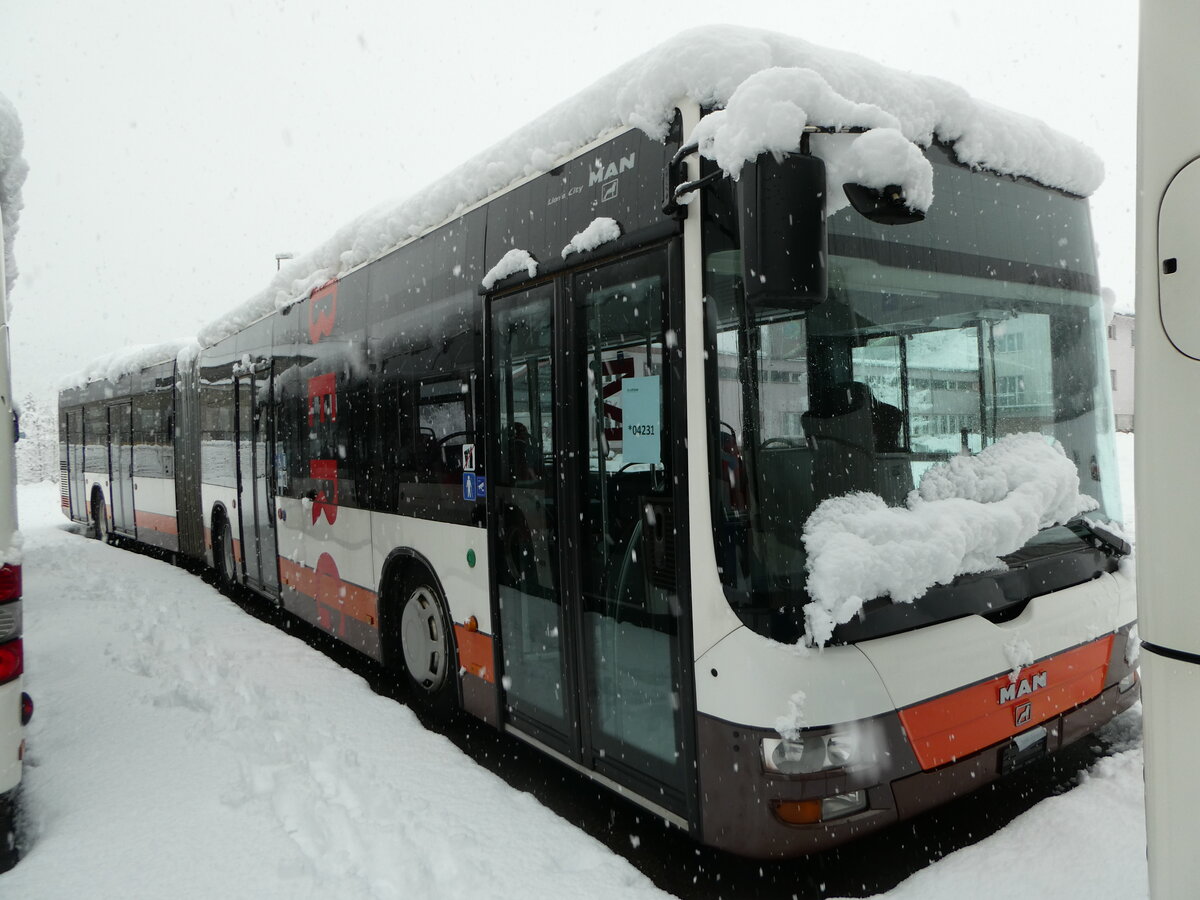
x,y
15,705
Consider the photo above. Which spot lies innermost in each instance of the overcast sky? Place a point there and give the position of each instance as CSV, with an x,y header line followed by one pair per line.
x,y
176,147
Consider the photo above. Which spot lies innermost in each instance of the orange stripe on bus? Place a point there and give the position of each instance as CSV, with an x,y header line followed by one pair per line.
x,y
954,726
156,522
475,653
328,590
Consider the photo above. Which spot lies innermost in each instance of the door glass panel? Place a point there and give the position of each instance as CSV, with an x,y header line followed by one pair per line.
x,y
523,485
246,498
630,607
264,497
120,421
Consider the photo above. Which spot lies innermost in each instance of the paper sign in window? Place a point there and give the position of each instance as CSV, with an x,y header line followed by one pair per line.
x,y
641,432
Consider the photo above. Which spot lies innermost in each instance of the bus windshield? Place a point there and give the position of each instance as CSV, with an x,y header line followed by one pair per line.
x,y
937,338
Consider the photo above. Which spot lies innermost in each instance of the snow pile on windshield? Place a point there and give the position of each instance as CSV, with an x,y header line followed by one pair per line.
x,y
769,111
706,65
966,514
13,170
128,359
512,262
601,231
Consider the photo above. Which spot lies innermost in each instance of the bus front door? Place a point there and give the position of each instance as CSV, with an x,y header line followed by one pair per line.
x,y
583,529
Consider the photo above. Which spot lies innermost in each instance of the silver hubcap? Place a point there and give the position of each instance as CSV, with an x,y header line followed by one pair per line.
x,y
423,639
227,551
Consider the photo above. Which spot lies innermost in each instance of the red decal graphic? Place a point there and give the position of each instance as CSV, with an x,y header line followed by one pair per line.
x,y
616,370
325,503
322,312
322,398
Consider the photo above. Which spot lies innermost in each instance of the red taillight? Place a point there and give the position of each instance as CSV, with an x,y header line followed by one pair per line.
x,y
12,660
10,583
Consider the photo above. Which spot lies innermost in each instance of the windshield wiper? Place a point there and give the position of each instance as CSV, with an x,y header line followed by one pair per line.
x,y
1105,535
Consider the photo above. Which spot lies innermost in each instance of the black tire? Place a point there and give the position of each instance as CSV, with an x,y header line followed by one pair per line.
x,y
223,560
423,643
100,519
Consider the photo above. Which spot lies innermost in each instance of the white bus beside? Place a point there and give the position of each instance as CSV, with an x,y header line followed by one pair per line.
x,y
15,705
1168,433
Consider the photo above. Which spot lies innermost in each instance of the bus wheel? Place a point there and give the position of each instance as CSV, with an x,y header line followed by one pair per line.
x,y
426,645
99,518
223,553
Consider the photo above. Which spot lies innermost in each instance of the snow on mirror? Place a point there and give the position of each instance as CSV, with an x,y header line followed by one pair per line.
x,y
769,112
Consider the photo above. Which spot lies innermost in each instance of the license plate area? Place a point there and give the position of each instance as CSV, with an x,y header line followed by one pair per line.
x,y
1023,749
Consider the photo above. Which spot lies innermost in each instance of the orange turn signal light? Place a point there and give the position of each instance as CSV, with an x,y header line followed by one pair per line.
x,y
797,812
472,624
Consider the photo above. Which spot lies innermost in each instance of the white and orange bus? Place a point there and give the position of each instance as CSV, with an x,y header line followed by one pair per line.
x,y
557,439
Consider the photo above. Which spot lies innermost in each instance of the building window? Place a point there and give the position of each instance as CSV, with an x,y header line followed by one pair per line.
x,y
1113,373
1132,332
1112,332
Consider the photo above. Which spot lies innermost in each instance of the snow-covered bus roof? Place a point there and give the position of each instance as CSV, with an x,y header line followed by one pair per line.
x,y
795,82
705,65
128,360
13,169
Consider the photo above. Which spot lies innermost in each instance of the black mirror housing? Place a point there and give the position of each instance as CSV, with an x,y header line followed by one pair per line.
x,y
886,207
781,206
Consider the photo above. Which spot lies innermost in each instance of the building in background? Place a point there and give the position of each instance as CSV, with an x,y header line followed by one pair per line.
x,y
1120,360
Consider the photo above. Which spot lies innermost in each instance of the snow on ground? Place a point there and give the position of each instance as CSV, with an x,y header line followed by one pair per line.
x,y
182,748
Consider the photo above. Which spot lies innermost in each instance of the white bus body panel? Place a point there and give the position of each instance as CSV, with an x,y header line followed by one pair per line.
x,y
444,547
10,738
1168,428
1168,433
752,680
712,618
928,662
757,679
12,733
1170,688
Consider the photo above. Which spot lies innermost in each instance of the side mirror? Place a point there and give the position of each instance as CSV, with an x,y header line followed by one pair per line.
x,y
782,216
886,207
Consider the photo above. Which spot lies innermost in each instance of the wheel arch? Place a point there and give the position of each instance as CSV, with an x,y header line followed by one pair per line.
x,y
399,565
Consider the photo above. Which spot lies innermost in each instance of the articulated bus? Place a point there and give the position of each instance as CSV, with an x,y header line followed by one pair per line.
x,y
1168,373
570,496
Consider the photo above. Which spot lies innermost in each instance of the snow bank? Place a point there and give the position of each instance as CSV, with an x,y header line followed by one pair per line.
x,y
967,512
183,749
707,65
13,170
128,360
601,231
1088,842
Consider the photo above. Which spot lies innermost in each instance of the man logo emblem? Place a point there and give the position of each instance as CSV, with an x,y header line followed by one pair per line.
x,y
1022,714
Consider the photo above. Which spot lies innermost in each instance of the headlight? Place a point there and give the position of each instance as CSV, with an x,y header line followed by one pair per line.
x,y
808,754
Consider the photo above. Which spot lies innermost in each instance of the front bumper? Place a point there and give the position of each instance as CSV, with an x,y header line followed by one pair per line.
x,y
738,797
